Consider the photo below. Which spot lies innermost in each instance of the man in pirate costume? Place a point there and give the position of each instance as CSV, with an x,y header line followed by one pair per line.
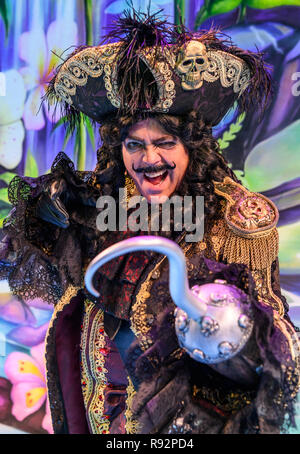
x,y
117,363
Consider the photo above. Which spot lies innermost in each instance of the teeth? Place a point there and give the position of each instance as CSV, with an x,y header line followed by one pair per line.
x,y
154,174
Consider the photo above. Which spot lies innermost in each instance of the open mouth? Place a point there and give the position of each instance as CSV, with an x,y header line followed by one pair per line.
x,y
156,177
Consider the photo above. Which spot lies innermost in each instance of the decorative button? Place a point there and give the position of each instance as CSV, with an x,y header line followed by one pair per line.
x,y
199,355
190,266
202,245
225,349
208,326
182,322
244,321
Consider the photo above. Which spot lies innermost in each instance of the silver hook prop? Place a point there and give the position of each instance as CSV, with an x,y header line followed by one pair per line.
x,y
178,281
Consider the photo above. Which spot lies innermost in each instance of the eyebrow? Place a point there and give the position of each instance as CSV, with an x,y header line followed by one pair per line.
x,y
138,139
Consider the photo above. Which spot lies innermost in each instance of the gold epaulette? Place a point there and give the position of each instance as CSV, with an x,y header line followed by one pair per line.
x,y
251,218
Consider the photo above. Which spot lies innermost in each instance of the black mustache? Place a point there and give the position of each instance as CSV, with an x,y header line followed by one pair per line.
x,y
153,169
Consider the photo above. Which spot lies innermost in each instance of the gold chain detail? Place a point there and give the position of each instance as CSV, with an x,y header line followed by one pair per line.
x,y
139,324
230,402
262,279
132,425
138,319
280,307
217,236
130,187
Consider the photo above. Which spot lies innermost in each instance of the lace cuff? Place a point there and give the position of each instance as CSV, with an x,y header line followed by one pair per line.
x,y
39,259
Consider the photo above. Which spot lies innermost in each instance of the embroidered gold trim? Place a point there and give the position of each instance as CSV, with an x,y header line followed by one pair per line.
x,y
86,382
93,62
132,425
138,320
102,61
163,76
262,279
230,69
95,376
196,64
293,373
229,402
280,307
248,214
65,299
139,323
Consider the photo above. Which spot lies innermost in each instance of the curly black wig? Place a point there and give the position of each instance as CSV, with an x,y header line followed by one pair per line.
x,y
206,163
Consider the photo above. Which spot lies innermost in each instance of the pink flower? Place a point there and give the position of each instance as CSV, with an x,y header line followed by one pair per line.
x,y
39,51
29,391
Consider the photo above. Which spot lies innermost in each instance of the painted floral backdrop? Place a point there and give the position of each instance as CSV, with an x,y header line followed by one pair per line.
x,y
266,155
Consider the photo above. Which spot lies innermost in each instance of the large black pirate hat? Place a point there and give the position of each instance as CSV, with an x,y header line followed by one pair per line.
x,y
148,65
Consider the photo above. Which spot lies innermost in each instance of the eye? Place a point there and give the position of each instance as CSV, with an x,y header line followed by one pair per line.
x,y
166,145
200,61
133,146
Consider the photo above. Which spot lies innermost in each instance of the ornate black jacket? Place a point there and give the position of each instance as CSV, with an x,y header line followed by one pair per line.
x,y
114,363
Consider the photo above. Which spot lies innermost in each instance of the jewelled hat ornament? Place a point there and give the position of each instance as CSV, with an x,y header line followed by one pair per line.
x,y
159,68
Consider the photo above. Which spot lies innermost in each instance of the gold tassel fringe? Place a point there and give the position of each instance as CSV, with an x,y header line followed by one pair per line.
x,y
257,252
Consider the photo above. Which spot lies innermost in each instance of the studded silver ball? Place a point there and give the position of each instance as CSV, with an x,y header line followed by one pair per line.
x,y
225,349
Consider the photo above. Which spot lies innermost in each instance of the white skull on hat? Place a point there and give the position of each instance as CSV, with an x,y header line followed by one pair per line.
x,y
192,60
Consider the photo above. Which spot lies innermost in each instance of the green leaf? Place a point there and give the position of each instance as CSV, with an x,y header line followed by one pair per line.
x,y
66,139
201,17
60,122
4,212
179,11
214,7
90,131
230,135
68,133
7,177
4,14
81,138
265,4
241,176
4,195
88,14
223,6
31,167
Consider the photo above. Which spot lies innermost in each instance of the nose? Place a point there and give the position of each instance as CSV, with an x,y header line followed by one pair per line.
x,y
151,155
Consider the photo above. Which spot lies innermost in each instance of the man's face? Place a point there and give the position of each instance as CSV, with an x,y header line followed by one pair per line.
x,y
154,159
